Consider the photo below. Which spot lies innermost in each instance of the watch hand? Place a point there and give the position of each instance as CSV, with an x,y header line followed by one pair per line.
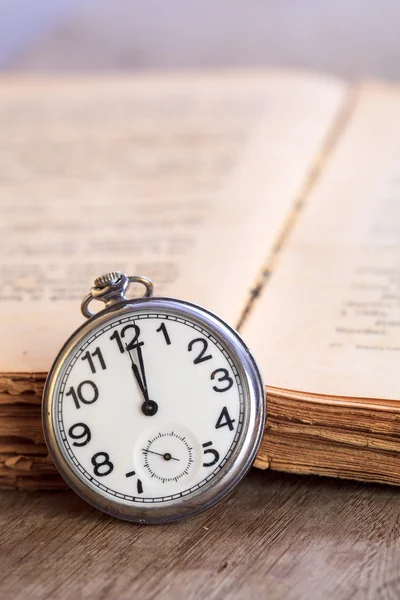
x,y
137,374
166,455
142,371
149,407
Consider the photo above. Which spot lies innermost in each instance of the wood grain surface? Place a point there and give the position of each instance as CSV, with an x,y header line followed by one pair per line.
x,y
276,537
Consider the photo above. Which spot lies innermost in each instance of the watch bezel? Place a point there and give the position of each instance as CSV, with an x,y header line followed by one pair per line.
x,y
242,456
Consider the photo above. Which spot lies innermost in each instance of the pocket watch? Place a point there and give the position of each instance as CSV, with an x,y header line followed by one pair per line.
x,y
154,408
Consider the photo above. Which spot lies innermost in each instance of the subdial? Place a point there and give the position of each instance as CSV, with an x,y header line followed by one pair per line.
x,y
169,455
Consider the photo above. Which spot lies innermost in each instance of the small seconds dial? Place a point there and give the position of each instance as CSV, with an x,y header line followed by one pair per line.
x,y
170,455
149,407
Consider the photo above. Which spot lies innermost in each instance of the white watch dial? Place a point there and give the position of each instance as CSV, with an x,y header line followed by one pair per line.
x,y
149,407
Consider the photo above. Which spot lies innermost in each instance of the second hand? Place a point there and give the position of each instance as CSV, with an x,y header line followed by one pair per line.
x,y
166,455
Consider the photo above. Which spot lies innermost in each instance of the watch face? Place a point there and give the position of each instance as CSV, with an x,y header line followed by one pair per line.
x,y
154,411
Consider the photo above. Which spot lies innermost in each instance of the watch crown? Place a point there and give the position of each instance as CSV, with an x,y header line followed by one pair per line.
x,y
107,279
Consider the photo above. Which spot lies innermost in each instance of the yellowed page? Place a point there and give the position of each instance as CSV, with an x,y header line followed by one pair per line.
x,y
186,179
328,322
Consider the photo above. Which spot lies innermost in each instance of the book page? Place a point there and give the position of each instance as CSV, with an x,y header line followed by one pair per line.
x,y
328,322
184,179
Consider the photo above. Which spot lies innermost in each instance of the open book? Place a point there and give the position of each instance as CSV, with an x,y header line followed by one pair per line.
x,y
270,198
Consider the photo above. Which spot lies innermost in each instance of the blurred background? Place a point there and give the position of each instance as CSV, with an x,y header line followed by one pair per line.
x,y
349,38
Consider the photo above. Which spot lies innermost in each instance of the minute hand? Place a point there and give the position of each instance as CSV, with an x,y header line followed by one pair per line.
x,y
136,373
142,372
139,380
149,407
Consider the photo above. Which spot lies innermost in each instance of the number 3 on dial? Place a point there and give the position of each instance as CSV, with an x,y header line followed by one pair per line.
x,y
224,377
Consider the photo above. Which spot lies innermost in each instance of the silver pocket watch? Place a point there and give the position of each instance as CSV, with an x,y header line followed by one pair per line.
x,y
154,408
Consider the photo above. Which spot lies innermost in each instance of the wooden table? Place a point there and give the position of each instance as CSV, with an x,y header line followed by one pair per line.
x,y
277,537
